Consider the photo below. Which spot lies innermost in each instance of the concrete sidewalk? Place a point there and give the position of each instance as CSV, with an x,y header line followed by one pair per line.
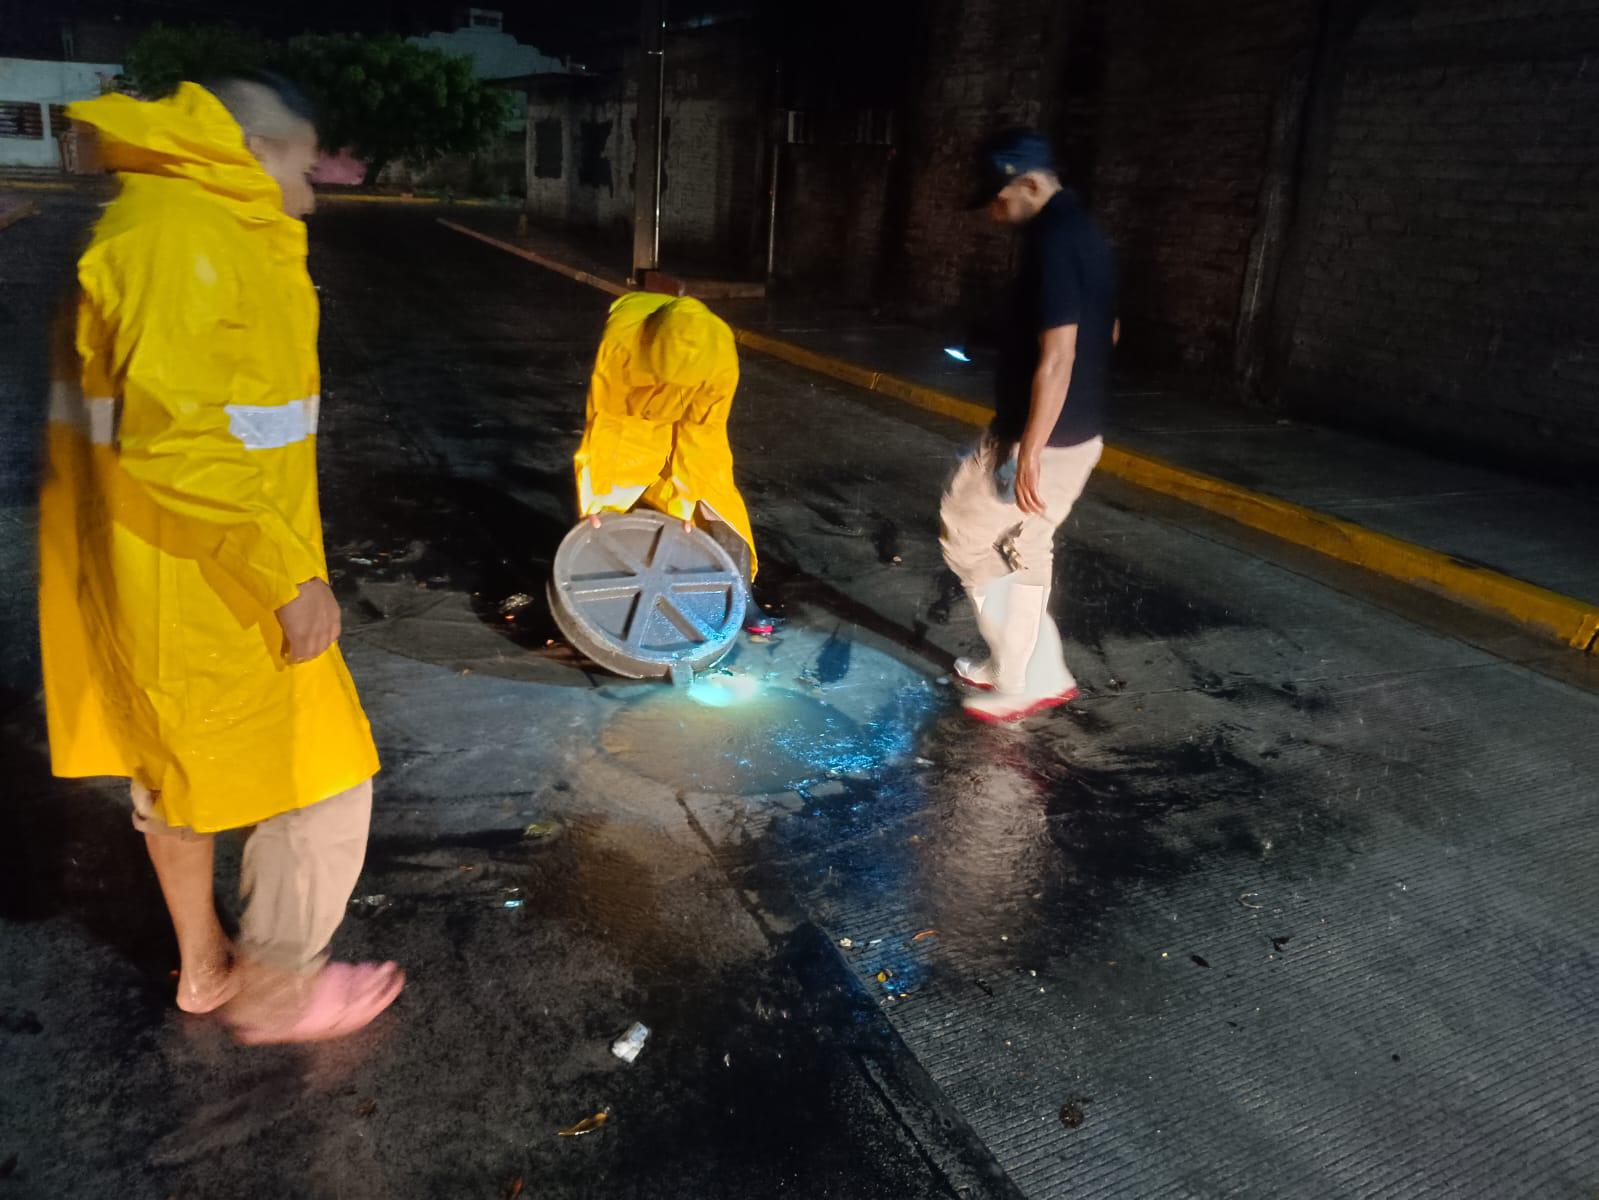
x,y
1445,524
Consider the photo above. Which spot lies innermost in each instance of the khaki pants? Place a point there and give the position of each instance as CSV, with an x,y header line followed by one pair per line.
x,y
299,870
986,536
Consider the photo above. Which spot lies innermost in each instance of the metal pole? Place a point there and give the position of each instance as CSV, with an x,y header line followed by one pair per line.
x,y
779,128
651,139
771,211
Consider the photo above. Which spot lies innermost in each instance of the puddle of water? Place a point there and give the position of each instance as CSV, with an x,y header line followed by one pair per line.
x,y
810,704
737,739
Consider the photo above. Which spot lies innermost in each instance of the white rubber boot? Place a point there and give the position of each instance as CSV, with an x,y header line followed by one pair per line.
x,y
979,672
1030,672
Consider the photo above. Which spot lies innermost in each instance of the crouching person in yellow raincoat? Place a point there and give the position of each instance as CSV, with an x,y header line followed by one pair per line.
x,y
189,635
656,431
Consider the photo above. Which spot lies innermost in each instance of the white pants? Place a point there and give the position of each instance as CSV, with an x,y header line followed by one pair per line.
x,y
986,536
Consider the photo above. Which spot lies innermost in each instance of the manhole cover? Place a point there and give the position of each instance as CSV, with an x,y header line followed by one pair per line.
x,y
641,595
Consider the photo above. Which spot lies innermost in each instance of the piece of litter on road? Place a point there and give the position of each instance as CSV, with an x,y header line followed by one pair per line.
x,y
1004,937
924,762
727,1060
627,1046
1071,1113
943,681
512,904
1278,943
360,562
847,943
1247,899
366,1108
897,559
587,1124
377,900
875,942
926,933
1197,961
513,1190
515,602
539,829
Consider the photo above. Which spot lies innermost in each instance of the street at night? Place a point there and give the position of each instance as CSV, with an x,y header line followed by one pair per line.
x,y
671,599
1294,900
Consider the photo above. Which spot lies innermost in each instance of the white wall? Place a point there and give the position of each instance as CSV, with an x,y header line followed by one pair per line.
x,y
38,81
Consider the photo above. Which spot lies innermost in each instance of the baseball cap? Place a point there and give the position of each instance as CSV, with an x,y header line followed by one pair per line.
x,y
1004,156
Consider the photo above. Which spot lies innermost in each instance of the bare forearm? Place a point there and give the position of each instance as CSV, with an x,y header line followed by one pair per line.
x,y
1051,381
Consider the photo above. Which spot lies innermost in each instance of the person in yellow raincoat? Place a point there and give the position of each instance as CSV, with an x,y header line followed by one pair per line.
x,y
656,430
187,627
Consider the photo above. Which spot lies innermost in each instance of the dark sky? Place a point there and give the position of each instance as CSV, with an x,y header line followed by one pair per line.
x,y
552,25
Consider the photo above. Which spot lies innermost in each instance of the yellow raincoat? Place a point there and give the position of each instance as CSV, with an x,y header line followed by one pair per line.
x,y
180,507
657,414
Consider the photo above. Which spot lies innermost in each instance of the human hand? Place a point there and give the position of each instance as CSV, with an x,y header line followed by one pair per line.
x,y
310,622
1029,478
594,520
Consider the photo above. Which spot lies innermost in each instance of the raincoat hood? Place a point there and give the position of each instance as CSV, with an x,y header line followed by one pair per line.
x,y
188,136
682,342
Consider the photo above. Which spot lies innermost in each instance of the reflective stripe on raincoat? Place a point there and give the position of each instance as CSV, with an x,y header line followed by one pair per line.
x,y
659,442
179,510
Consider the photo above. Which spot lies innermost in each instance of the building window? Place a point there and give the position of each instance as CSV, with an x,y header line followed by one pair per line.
x,y
547,148
21,119
593,167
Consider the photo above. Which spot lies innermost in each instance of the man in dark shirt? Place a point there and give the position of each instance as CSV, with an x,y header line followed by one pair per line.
x,y
1010,495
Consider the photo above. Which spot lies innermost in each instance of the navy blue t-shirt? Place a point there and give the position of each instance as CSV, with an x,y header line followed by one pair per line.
x,y
1066,276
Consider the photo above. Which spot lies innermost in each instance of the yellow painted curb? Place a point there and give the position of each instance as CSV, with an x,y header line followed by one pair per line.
x,y
549,264
1571,621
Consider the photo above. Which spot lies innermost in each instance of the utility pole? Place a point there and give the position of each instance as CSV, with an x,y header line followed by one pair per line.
x,y
651,115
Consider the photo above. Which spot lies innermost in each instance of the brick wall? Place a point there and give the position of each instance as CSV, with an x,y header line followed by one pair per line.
x,y
832,201
1163,112
983,65
1178,149
1450,289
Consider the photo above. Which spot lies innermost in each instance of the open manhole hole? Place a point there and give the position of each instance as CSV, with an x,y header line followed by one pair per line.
x,y
735,737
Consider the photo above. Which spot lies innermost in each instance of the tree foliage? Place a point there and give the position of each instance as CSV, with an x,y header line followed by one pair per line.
x,y
389,99
165,55
384,98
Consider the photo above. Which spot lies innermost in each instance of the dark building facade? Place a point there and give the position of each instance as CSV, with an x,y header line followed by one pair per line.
x,y
1381,212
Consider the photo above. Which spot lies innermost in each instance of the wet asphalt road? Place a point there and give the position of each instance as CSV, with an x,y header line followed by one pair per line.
x,y
1297,901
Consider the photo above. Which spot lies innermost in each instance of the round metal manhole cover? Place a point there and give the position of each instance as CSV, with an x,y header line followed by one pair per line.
x,y
641,595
